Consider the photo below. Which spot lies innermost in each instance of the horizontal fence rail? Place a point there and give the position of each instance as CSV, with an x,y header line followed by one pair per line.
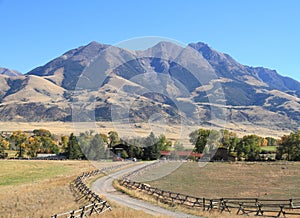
x,y
97,205
241,206
88,210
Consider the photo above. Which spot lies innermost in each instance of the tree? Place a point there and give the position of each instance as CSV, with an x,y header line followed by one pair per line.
x,y
272,141
264,142
104,138
74,151
42,132
124,154
64,143
205,140
45,140
19,138
33,146
289,147
113,138
199,139
163,143
4,145
249,147
151,148
178,146
131,151
49,145
96,149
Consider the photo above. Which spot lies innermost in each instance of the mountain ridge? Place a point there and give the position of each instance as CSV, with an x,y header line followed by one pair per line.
x,y
254,95
9,72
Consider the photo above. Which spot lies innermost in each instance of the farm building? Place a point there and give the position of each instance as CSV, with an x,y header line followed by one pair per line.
x,y
118,148
179,155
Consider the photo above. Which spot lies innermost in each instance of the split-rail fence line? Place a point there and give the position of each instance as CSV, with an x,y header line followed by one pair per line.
x,y
96,204
241,206
244,206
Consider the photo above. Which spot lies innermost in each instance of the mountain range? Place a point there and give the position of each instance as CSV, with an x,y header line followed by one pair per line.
x,y
196,84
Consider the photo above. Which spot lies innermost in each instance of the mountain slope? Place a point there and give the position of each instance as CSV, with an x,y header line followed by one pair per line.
x,y
178,83
65,70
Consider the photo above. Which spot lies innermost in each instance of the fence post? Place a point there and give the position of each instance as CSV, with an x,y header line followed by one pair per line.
x,y
72,214
93,208
291,203
203,204
82,212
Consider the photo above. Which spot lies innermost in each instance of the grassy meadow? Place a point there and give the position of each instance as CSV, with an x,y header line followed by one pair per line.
x,y
42,188
237,179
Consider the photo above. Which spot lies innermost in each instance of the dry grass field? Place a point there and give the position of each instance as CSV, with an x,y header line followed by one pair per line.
x,y
278,180
41,189
237,179
173,132
37,188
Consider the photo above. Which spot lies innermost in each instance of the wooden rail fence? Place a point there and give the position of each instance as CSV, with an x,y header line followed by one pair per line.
x,y
241,206
96,204
88,210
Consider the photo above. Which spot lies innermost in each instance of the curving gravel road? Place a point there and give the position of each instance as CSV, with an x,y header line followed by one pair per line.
x,y
104,187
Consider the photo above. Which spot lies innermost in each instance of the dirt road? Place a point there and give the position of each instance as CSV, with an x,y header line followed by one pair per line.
x,y
104,187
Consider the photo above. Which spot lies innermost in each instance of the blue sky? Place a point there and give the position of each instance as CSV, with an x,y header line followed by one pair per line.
x,y
254,32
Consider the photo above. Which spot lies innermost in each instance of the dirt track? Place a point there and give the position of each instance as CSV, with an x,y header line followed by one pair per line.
x,y
104,187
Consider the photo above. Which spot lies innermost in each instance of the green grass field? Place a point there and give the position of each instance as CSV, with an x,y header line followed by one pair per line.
x,y
269,148
14,173
216,180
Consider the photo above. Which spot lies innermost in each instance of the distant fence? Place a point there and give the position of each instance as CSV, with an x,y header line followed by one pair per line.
x,y
96,204
240,206
142,169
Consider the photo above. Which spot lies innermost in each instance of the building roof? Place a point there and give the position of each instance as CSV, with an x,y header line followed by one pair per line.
x,y
181,153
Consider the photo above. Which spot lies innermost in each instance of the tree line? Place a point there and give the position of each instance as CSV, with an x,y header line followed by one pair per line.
x,y
249,147
87,145
95,146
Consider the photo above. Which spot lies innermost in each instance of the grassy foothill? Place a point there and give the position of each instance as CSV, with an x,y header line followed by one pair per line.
x,y
42,188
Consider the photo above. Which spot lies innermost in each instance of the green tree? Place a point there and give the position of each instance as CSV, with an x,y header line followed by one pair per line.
x,y
42,132
96,149
113,138
229,140
124,154
289,147
74,151
163,143
131,150
151,147
249,147
105,139
199,139
84,141
204,140
272,141
49,145
178,146
44,141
